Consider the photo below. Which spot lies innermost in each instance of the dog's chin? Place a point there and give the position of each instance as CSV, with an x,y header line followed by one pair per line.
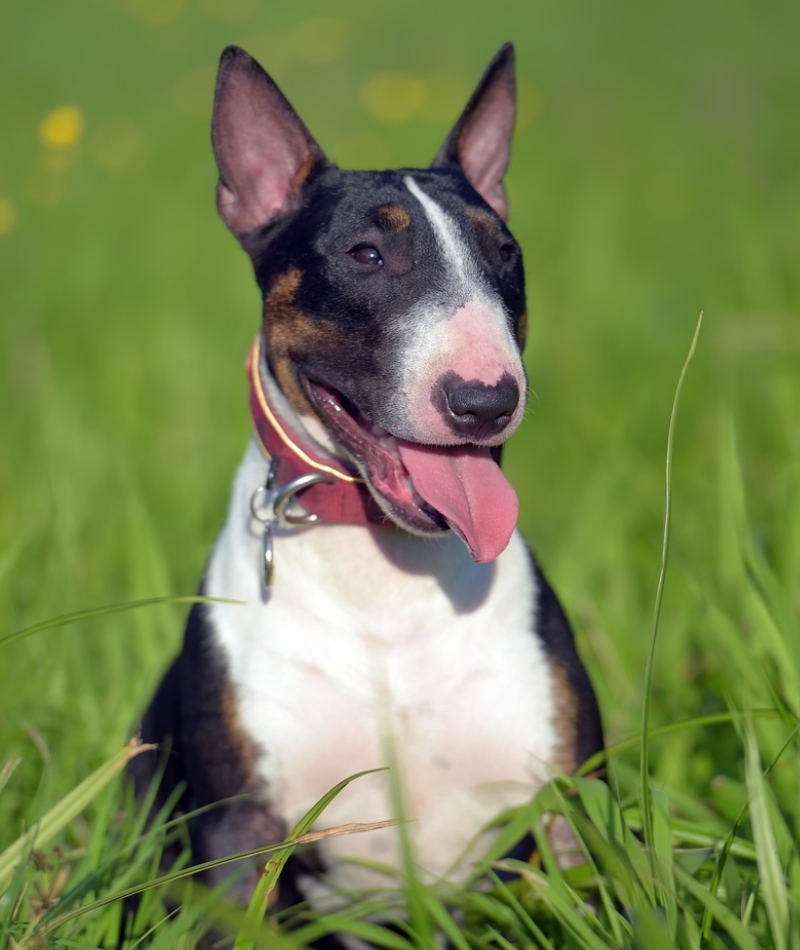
x,y
377,454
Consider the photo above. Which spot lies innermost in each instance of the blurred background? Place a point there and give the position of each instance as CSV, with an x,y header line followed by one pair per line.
x,y
655,174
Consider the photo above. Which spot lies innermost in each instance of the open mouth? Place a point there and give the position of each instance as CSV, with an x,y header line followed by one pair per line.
x,y
426,489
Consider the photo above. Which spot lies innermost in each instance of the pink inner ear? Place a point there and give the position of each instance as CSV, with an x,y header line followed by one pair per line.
x,y
484,145
484,168
263,151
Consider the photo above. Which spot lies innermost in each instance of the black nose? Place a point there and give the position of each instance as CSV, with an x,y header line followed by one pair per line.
x,y
477,411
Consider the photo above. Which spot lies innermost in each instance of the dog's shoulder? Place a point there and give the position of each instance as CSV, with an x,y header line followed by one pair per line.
x,y
579,719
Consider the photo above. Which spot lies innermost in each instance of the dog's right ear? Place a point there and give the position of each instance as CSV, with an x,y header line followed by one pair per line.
x,y
264,153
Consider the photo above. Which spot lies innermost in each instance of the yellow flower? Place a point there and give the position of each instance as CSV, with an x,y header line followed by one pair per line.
x,y
62,128
393,97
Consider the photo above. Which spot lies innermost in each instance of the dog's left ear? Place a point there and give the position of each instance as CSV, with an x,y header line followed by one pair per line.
x,y
480,142
264,153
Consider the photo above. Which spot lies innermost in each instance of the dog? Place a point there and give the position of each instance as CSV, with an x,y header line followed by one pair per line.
x,y
376,604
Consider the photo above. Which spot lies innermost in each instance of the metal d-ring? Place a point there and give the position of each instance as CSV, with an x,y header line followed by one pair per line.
x,y
268,486
268,559
285,495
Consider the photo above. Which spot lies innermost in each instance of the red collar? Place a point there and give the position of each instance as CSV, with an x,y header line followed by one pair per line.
x,y
345,499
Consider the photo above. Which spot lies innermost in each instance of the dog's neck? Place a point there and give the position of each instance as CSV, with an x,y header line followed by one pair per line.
x,y
379,571
342,498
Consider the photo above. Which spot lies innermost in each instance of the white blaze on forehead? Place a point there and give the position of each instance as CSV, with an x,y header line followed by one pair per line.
x,y
455,249
469,336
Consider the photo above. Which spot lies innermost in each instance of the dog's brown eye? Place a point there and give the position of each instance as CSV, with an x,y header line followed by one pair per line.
x,y
366,254
506,252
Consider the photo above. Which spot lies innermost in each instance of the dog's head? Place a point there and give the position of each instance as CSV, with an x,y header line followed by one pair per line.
x,y
394,302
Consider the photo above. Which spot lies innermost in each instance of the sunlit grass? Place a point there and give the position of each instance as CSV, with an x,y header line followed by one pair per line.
x,y
655,174
668,876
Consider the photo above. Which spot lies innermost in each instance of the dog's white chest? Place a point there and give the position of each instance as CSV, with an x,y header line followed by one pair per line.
x,y
375,647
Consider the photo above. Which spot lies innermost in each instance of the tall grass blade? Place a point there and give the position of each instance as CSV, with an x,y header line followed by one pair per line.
x,y
613,843
533,928
272,870
662,829
53,922
574,922
7,771
420,920
61,814
644,760
444,921
730,839
773,884
650,930
724,915
373,934
77,615
696,722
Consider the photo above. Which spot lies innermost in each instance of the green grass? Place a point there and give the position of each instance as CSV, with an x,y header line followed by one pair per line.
x,y
656,174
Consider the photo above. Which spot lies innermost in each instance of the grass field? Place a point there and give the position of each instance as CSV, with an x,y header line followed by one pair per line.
x,y
656,173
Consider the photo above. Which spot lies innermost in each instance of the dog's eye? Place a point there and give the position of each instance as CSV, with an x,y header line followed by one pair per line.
x,y
507,252
366,254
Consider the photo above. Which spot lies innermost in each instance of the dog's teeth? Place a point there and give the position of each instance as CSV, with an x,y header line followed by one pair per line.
x,y
379,431
411,488
389,442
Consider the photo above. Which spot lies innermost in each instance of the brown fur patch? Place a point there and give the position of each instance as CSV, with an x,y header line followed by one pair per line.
x,y
303,172
565,720
290,331
393,217
522,330
481,218
282,292
239,743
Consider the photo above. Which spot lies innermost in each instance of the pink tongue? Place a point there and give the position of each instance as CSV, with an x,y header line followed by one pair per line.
x,y
465,484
